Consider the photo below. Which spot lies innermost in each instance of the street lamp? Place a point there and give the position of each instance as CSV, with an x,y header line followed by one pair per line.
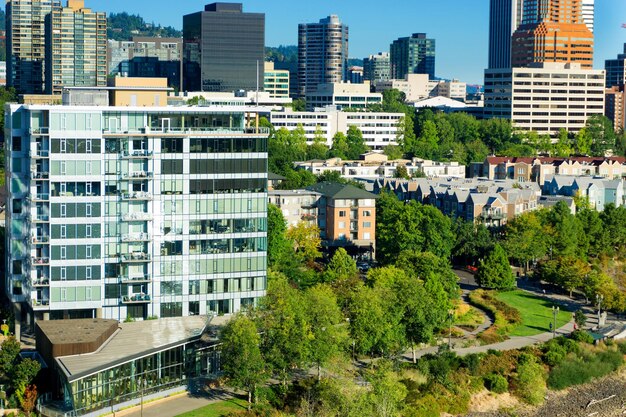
x,y
599,299
450,316
555,311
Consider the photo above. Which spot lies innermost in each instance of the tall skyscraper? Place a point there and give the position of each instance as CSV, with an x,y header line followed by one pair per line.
x,y
137,212
26,43
504,18
412,55
224,49
377,67
322,53
552,31
76,47
616,70
589,13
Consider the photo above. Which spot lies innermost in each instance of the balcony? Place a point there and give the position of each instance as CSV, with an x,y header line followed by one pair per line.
x,y
135,280
139,154
39,130
39,240
39,176
136,299
136,257
492,215
135,237
38,154
36,260
40,304
41,218
137,176
137,217
44,282
41,197
137,195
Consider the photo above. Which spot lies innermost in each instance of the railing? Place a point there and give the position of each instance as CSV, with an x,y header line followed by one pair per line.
x,y
41,197
137,216
41,239
140,175
40,260
136,257
40,303
137,154
189,130
135,299
41,218
41,283
39,131
130,280
39,175
135,237
39,154
137,195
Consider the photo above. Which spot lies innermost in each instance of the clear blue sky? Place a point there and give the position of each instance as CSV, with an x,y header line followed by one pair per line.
x,y
459,26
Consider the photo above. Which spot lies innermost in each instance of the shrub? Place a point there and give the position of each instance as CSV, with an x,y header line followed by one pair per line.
x,y
530,384
554,353
496,383
506,318
622,347
582,336
576,371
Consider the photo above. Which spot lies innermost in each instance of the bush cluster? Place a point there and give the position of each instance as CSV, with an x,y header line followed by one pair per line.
x,y
506,318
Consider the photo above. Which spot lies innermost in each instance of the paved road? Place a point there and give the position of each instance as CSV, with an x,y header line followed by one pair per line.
x,y
173,406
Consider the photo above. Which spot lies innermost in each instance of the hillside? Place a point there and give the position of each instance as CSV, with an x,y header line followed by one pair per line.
x,y
123,26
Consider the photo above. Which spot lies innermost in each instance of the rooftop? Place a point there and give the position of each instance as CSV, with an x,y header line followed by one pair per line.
x,y
341,191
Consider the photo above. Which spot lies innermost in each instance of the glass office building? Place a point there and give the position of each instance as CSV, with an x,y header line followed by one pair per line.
x,y
414,54
119,212
224,49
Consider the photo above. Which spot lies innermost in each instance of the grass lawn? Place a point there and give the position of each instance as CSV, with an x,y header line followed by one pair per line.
x,y
536,313
218,409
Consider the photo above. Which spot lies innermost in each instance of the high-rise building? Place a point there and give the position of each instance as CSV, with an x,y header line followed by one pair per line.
x,y
377,67
322,53
224,49
552,31
504,18
76,47
119,212
615,106
26,43
147,57
414,54
616,70
276,81
589,13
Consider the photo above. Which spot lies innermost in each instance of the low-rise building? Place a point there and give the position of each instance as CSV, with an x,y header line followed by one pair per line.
x,y
276,81
296,205
598,191
379,129
344,95
545,97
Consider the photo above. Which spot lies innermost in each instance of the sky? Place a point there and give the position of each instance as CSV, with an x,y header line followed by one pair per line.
x,y
460,27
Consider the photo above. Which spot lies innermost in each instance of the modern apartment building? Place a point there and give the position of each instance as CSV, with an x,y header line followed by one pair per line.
x,y
146,57
76,48
224,49
589,14
552,31
379,129
414,54
117,212
26,43
276,82
344,95
417,87
616,70
546,97
322,53
504,18
615,107
377,67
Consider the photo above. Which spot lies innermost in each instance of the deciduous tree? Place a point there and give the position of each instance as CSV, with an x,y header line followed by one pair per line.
x,y
495,272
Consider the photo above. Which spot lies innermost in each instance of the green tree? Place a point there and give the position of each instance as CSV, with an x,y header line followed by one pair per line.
x,y
563,147
583,142
306,241
406,134
340,147
241,357
388,393
329,330
530,380
278,246
496,133
593,231
427,144
495,271
9,354
318,149
393,152
564,231
401,172
340,267
476,151
356,144
602,133
24,373
298,104
614,221
525,239
473,240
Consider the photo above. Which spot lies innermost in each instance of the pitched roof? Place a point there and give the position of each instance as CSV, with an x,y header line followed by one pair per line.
x,y
341,191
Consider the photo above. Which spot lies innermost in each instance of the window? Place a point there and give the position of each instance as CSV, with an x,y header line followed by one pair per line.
x,y
88,273
342,225
367,213
367,236
63,231
88,252
88,209
342,213
63,273
88,231
63,252
88,293
63,210
63,294
367,224
17,143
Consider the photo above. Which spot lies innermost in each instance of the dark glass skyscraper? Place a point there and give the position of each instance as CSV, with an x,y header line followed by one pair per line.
x,y
504,18
413,55
224,49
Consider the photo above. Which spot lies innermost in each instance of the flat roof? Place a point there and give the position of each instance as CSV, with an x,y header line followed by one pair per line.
x,y
133,340
61,332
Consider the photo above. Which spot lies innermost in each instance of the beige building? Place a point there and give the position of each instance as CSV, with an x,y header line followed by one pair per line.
x,y
345,95
417,87
276,81
139,92
296,205
615,106
76,48
546,97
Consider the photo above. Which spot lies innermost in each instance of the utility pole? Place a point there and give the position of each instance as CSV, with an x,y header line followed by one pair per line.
x,y
450,316
599,298
555,311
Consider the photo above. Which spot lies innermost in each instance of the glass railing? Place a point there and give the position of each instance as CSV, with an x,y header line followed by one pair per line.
x,y
136,257
135,237
39,175
41,282
41,239
136,298
40,260
42,197
137,154
137,195
187,130
41,218
39,154
139,175
137,216
136,279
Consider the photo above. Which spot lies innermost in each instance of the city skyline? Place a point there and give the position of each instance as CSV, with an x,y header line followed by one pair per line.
x,y
464,38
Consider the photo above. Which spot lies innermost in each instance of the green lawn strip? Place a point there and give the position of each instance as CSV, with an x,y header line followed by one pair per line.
x,y
536,313
218,409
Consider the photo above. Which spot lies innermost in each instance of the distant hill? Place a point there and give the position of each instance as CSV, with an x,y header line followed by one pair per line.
x,y
283,53
123,26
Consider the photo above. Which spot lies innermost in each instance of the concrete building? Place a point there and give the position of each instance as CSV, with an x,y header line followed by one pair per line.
x,y
589,14
414,54
504,18
26,43
322,54
616,70
377,68
276,81
296,205
546,97
3,73
418,87
552,31
76,48
615,107
355,74
379,129
147,57
119,212
454,89
344,95
346,218
224,49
